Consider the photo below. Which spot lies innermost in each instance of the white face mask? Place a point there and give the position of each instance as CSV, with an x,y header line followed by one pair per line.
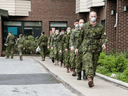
x,y
81,25
53,30
68,31
77,25
57,33
63,33
93,19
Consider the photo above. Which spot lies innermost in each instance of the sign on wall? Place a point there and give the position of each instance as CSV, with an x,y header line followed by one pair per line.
x,y
13,30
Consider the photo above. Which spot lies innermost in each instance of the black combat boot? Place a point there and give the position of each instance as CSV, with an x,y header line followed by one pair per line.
x,y
79,76
84,75
53,60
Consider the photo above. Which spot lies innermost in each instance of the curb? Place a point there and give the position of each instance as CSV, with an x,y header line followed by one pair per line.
x,y
62,81
115,81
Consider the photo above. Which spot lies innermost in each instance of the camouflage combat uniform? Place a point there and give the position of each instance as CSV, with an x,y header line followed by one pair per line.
x,y
78,39
73,40
91,46
55,46
51,43
62,47
61,42
11,42
43,45
67,54
20,42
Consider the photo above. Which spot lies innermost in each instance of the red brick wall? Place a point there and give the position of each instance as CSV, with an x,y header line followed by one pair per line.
x,y
0,37
110,22
50,10
82,16
122,28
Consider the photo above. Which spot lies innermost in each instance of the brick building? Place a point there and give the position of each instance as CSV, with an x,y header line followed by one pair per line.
x,y
117,36
30,17
113,14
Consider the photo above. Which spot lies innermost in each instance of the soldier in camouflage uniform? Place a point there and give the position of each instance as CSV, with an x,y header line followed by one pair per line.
x,y
61,47
73,39
79,64
11,42
55,46
21,47
91,45
43,45
67,50
51,43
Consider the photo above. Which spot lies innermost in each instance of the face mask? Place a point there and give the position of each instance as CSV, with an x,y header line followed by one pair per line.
x,y
76,25
57,33
63,33
68,31
53,30
81,25
93,19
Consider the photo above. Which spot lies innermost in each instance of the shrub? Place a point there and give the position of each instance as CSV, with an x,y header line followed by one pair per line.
x,y
113,63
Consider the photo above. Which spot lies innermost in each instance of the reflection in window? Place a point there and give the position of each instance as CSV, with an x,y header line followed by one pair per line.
x,y
12,23
32,24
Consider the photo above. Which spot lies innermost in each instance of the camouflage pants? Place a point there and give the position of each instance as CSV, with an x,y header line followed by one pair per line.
x,y
10,47
51,53
20,49
43,51
61,56
56,53
72,59
90,62
67,58
79,64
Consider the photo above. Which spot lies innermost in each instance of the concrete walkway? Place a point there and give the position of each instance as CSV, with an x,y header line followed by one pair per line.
x,y
28,78
101,88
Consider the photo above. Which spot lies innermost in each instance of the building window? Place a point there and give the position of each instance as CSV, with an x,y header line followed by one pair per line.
x,y
12,23
58,25
32,24
103,23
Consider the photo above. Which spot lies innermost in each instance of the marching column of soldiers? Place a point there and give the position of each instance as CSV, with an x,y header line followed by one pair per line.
x,y
76,49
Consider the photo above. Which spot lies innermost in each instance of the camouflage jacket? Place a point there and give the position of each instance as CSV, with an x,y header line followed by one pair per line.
x,y
20,42
75,38
62,42
51,39
10,39
91,37
55,40
43,40
66,44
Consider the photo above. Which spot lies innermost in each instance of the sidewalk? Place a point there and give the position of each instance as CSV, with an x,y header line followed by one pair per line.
x,y
101,88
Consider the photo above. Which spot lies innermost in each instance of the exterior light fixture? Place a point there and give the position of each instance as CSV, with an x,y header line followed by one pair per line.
x,y
125,8
112,12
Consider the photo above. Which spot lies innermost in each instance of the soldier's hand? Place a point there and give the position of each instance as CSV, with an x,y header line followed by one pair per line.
x,y
23,48
104,47
48,47
51,48
76,51
60,51
72,48
66,50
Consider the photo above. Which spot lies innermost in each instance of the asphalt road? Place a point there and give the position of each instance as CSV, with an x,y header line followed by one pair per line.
x,y
28,78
